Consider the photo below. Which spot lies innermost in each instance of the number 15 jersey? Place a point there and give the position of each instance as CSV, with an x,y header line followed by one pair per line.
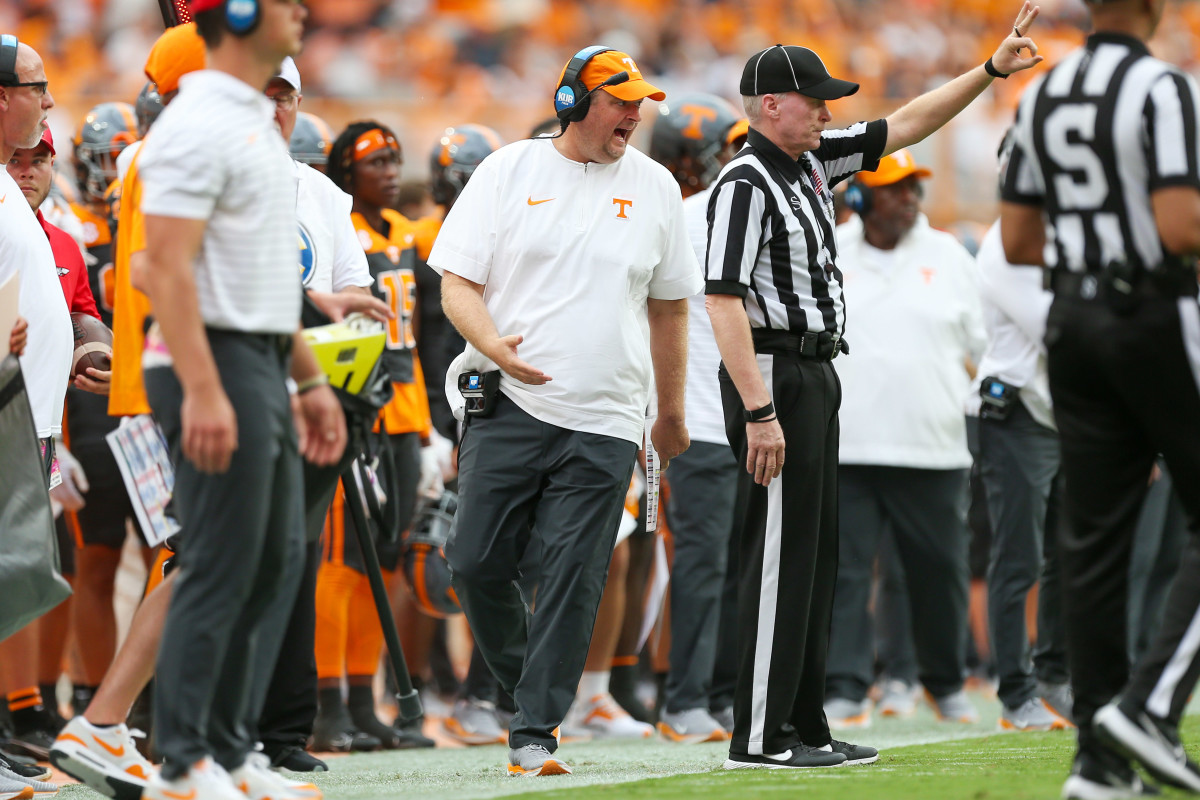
x,y
391,257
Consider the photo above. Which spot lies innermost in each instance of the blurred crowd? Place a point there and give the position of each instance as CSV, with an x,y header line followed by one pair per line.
x,y
419,65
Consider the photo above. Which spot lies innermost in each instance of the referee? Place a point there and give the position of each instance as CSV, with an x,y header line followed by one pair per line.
x,y
1106,150
775,299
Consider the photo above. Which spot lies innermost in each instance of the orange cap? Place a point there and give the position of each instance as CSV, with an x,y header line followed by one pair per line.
x,y
177,52
893,169
739,130
605,64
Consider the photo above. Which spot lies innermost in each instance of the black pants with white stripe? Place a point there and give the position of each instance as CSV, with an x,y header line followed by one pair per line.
x,y
1125,388
787,560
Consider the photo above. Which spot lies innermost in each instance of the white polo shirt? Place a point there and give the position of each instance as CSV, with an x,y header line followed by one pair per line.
x,y
215,153
46,365
1015,307
702,403
569,253
331,258
912,318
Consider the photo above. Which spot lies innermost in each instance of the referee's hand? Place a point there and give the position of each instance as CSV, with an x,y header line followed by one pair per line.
x,y
765,446
1007,58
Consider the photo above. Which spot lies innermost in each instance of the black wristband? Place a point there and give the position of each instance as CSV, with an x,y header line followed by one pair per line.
x,y
758,414
990,69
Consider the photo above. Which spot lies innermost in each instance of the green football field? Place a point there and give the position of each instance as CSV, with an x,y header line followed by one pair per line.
x,y
921,759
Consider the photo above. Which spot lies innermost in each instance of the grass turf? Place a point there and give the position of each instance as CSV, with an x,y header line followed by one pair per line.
x,y
921,759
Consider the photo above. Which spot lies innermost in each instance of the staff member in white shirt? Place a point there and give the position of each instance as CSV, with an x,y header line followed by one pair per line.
x,y
24,250
220,272
566,266
903,459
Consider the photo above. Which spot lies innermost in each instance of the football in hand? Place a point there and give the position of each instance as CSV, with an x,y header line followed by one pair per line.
x,y
93,344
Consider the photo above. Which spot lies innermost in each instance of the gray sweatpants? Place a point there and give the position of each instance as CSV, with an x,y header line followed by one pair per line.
x,y
703,490
1019,464
535,500
241,555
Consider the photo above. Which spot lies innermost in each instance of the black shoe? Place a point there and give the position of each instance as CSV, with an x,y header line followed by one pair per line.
x,y
854,753
802,757
33,743
13,758
32,771
622,685
334,731
294,758
410,735
1152,742
1101,774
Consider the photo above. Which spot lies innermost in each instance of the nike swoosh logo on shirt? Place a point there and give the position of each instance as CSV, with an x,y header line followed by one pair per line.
x,y
174,796
533,202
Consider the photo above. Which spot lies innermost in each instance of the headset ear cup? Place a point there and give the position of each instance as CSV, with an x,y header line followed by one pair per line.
x,y
242,16
858,198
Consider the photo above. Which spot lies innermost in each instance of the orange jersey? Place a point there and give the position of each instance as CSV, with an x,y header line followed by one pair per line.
x,y
425,231
130,307
392,259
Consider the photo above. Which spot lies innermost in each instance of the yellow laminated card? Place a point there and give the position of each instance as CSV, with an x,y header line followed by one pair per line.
x,y
347,351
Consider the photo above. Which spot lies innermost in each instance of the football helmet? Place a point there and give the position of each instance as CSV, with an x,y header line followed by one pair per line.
x,y
147,108
311,140
690,134
454,158
423,551
106,130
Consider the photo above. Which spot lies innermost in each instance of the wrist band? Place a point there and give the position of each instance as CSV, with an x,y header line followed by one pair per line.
x,y
990,69
759,414
308,384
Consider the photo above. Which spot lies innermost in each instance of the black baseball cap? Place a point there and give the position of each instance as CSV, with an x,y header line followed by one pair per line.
x,y
791,68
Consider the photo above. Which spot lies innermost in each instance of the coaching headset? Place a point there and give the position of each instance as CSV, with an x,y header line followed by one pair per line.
x,y
8,60
572,98
858,197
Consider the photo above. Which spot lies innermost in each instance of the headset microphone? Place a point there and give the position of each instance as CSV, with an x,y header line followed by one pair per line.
x,y
613,80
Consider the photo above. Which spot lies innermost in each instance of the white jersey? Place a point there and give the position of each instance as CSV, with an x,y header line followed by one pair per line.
x,y
331,258
702,403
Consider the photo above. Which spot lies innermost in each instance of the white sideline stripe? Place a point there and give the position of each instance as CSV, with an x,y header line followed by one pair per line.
x,y
1159,702
768,595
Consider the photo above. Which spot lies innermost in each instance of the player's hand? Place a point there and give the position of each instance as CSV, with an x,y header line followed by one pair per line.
x,y
504,353
97,381
18,337
337,305
69,494
1007,58
430,483
209,429
764,451
670,438
325,425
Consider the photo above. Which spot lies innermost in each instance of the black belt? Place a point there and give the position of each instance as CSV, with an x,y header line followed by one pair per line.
x,y
823,346
279,344
1140,284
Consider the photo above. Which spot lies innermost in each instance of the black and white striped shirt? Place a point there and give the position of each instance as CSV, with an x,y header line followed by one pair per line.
x,y
771,228
1094,138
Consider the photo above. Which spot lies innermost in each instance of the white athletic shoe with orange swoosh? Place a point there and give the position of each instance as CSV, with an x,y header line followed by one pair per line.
x,y
204,780
105,759
258,781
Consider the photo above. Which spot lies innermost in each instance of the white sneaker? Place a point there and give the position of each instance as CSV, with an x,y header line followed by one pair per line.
x,y
605,719
1032,715
842,713
954,707
40,788
15,790
106,759
691,726
204,780
898,699
474,722
258,781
